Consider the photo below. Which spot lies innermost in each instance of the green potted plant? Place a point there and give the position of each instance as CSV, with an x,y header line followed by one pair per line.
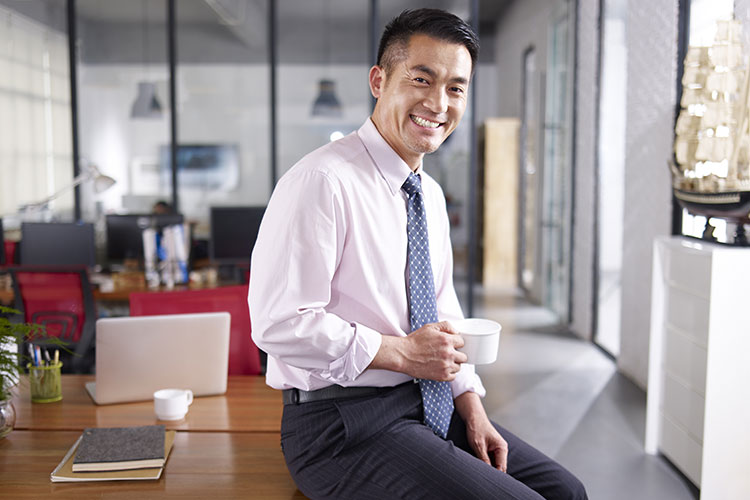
x,y
11,336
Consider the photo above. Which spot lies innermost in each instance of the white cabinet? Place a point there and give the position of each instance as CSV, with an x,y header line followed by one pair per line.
x,y
698,407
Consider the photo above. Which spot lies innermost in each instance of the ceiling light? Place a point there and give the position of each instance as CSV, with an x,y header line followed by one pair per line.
x,y
146,103
326,104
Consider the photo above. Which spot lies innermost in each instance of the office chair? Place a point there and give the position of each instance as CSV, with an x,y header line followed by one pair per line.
x,y
244,356
11,249
60,298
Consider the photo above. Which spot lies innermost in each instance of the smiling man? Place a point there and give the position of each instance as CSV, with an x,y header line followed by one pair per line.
x,y
351,293
421,90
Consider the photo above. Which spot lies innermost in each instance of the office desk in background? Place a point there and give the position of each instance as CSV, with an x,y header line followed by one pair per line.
x,y
249,405
227,446
118,294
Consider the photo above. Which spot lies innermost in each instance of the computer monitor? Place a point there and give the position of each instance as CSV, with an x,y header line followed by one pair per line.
x,y
57,244
125,233
233,233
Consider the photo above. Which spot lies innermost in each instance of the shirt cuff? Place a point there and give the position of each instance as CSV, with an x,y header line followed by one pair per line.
x,y
357,358
467,380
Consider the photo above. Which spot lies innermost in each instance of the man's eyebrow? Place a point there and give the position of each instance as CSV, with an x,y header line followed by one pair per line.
x,y
424,69
431,73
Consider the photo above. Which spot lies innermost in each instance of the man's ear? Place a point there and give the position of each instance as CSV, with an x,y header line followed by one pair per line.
x,y
377,77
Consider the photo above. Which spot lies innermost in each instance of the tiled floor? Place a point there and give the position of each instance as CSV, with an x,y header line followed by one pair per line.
x,y
564,396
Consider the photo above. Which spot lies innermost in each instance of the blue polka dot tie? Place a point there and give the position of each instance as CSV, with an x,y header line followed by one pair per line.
x,y
437,397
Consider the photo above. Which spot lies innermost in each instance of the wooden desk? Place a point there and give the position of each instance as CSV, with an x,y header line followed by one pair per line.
x,y
7,296
249,405
201,465
121,294
227,446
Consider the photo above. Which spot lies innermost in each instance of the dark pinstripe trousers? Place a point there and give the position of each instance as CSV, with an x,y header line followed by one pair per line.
x,y
378,448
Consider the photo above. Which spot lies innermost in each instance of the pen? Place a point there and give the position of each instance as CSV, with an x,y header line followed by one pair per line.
x,y
57,356
46,357
38,356
31,353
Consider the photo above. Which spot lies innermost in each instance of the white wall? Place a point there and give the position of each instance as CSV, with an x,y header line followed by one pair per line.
x,y
652,65
486,79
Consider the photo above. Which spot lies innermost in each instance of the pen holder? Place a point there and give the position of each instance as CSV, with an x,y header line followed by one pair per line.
x,y
46,383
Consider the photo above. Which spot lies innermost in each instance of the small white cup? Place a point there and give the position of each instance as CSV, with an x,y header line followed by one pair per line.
x,y
481,339
172,404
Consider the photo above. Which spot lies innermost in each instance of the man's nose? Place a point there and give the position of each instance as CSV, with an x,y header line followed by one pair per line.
x,y
437,100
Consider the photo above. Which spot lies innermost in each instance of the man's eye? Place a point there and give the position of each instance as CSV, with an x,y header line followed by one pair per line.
x,y
457,90
419,79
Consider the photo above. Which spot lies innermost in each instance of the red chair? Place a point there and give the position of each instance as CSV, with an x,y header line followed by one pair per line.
x,y
60,298
9,251
244,357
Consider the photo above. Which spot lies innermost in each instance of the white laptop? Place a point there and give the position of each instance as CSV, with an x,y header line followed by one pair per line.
x,y
136,356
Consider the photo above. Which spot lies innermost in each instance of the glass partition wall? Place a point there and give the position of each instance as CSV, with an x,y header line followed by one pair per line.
x,y
123,104
240,90
557,175
223,117
322,82
222,105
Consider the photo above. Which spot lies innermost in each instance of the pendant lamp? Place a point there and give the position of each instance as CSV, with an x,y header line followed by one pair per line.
x,y
146,104
326,104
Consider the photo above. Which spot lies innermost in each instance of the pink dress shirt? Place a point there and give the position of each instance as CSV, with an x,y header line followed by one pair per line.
x,y
329,268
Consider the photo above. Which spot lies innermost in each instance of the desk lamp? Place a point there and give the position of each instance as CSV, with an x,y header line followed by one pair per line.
x,y
89,172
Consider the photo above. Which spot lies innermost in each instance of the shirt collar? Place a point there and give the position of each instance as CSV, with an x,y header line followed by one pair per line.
x,y
392,167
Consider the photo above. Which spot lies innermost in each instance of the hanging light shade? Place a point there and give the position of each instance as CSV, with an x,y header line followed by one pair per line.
x,y
326,104
146,103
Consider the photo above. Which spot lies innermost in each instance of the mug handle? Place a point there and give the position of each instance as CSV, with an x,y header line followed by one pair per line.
x,y
189,394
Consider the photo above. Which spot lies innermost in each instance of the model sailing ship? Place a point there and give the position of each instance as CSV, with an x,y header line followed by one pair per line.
x,y
711,176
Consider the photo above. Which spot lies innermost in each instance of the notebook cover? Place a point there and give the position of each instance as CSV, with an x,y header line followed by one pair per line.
x,y
119,448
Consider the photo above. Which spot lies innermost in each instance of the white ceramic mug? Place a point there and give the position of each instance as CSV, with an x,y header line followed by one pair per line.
x,y
481,339
172,404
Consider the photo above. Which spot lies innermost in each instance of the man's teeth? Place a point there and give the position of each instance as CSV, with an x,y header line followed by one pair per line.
x,y
424,123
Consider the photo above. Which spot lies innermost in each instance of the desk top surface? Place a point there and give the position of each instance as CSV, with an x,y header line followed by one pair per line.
x,y
201,465
249,405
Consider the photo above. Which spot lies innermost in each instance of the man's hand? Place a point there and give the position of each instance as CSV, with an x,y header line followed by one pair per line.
x,y
429,352
488,445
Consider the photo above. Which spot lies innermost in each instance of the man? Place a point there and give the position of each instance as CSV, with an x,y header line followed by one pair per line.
x,y
161,207
352,296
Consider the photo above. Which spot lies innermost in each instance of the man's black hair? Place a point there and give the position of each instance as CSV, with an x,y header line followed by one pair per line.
x,y
435,23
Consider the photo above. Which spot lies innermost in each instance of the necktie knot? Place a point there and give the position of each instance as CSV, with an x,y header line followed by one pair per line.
x,y
412,185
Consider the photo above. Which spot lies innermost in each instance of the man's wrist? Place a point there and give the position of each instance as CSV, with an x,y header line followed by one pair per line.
x,y
390,355
469,406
